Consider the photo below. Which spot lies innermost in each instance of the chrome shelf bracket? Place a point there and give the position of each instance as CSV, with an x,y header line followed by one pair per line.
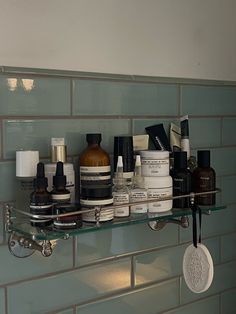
x,y
160,224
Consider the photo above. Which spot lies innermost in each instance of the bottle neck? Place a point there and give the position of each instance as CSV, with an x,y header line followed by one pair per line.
x,y
94,145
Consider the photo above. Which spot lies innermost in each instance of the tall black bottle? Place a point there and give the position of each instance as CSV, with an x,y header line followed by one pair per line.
x,y
181,180
204,179
40,199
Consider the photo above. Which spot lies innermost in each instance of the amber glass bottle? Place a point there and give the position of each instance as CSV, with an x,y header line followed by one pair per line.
x,y
204,178
95,170
40,199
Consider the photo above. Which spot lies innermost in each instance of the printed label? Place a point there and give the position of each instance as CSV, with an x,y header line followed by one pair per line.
x,y
136,196
121,198
155,166
95,175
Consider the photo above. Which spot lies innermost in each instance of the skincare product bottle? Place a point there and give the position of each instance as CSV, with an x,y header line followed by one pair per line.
x,y
204,178
95,170
58,153
40,199
138,191
26,167
61,200
123,146
185,146
120,191
181,180
158,137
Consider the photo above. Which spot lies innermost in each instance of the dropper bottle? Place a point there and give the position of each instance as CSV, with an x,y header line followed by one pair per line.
x,y
120,191
61,199
138,191
40,199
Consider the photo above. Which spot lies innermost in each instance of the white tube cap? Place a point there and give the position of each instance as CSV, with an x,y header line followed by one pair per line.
x,y
26,163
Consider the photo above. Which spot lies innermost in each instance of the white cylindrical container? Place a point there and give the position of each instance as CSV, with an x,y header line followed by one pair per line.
x,y
155,163
26,168
105,215
50,170
159,187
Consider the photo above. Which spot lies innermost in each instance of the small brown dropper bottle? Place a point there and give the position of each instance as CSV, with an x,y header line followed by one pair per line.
x,y
40,199
61,200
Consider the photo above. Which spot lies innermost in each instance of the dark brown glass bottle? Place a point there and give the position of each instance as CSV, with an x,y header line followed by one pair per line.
x,y
61,200
40,199
95,170
204,178
181,180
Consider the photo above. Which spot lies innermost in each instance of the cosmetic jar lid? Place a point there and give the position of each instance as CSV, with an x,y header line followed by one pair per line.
x,y
180,160
155,154
203,158
158,182
96,192
108,201
26,163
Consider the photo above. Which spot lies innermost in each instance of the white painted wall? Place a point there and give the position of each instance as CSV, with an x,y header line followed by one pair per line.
x,y
177,38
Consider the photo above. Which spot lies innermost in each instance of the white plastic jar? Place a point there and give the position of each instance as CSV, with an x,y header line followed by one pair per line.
x,y
105,215
155,163
159,187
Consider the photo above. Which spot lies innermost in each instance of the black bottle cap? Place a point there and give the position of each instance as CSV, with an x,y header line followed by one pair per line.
x,y
94,138
203,158
59,180
123,146
41,181
180,160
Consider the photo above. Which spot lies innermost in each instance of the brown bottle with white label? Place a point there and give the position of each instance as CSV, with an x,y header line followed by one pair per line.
x,y
204,179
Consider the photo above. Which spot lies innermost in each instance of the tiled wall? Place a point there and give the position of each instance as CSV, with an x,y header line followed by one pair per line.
x,y
130,269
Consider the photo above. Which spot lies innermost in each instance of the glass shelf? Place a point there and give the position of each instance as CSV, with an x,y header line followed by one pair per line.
x,y
22,225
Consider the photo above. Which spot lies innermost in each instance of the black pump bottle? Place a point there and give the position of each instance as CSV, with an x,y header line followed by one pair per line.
x,y
181,180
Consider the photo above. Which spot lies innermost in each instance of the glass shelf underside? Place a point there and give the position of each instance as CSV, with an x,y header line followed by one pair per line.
x,y
22,225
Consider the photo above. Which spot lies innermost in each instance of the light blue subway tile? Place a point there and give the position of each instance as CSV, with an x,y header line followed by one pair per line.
x,y
223,160
166,263
228,245
224,278
7,181
208,306
151,300
217,223
208,100
103,244
228,189
14,269
124,98
229,131
66,289
2,301
228,302
204,132
36,134
30,95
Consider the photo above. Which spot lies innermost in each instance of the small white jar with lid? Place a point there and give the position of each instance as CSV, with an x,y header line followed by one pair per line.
x,y
155,163
159,187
